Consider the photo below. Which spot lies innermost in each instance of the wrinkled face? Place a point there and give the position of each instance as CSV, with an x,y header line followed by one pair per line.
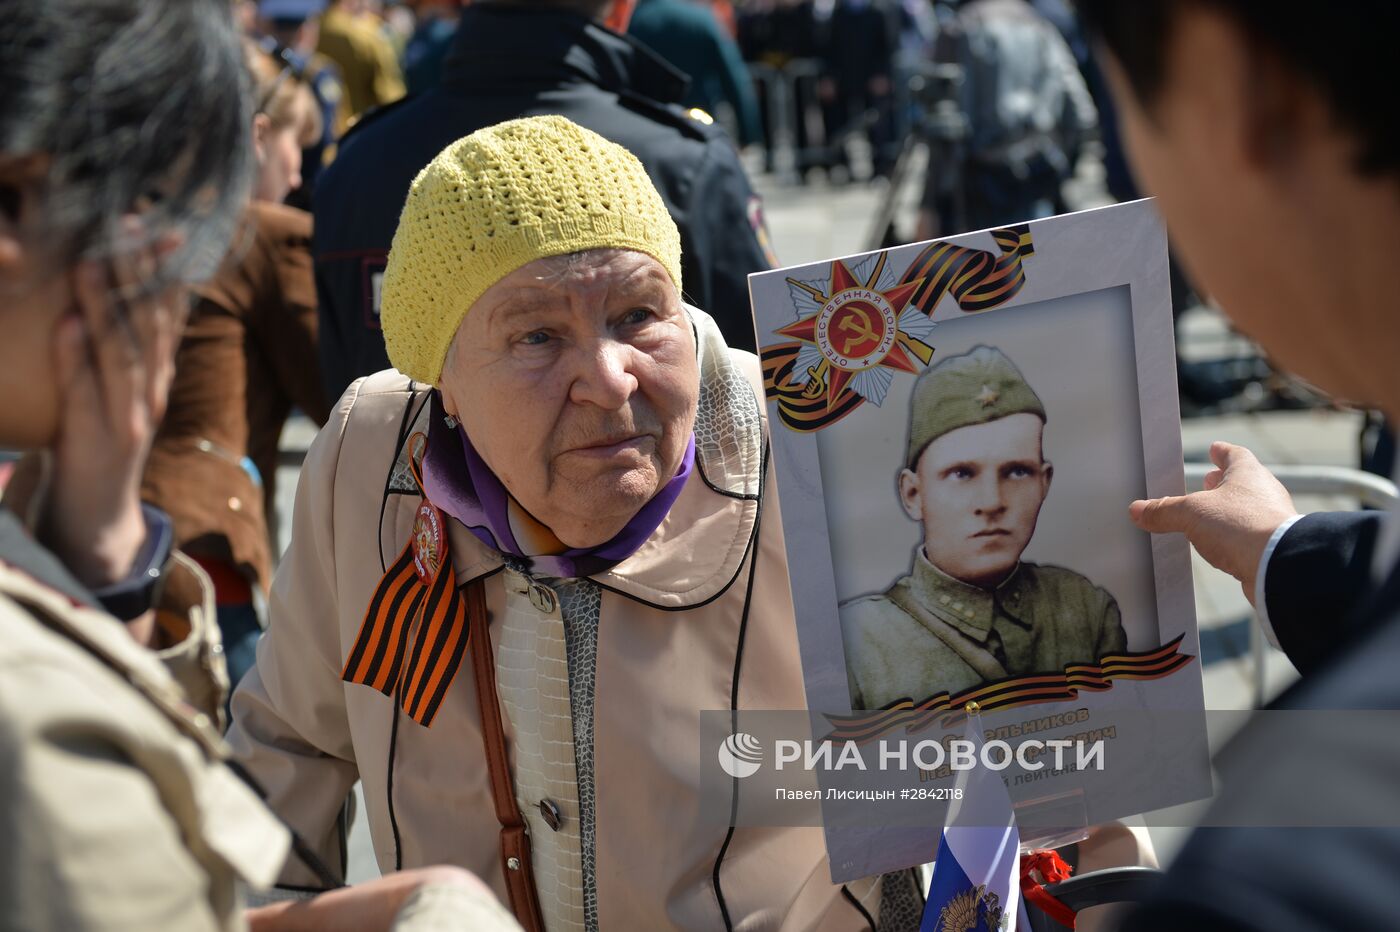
x,y
978,491
576,379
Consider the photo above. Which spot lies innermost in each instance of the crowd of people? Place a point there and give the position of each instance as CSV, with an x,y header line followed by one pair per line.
x,y
538,532
809,76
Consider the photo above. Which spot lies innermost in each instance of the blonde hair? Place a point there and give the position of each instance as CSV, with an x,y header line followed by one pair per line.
x,y
280,94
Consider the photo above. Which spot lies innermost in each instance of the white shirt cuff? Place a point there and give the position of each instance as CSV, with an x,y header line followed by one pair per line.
x,y
1261,605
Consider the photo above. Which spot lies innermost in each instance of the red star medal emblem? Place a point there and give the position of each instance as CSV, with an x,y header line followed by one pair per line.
x,y
857,328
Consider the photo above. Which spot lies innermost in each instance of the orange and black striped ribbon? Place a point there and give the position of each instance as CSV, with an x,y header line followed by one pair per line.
x,y
796,409
1016,691
977,279
414,634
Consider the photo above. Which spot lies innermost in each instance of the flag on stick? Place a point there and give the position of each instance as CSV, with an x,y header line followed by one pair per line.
x,y
975,877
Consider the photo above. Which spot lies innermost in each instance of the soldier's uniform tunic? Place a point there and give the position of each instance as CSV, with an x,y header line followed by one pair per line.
x,y
930,633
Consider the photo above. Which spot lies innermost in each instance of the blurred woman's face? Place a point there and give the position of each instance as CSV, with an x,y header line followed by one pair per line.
x,y
35,297
279,161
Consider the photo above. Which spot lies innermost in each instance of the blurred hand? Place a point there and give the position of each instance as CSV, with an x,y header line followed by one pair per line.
x,y
371,906
114,361
1229,523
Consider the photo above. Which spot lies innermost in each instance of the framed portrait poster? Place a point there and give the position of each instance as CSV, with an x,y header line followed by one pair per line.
x,y
958,428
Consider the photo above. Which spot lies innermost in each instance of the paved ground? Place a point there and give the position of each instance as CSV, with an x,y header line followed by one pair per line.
x,y
818,222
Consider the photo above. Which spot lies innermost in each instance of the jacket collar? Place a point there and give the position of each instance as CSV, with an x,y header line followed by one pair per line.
x,y
31,575
236,826
970,609
504,46
699,549
19,549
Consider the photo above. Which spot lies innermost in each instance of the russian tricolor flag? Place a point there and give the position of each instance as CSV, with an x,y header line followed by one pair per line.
x,y
976,875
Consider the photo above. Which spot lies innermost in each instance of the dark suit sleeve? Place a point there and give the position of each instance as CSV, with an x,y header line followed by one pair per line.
x,y
1262,865
1315,580
728,241
1276,880
346,261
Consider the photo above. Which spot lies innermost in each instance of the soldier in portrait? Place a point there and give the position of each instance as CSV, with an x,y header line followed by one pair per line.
x,y
970,611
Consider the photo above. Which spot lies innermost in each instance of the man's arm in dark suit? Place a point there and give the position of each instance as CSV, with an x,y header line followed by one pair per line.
x,y
1315,580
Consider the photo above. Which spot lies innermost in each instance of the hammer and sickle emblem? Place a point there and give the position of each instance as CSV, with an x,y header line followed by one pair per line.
x,y
863,331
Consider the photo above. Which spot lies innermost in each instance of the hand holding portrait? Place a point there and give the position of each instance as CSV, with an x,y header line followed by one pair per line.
x,y
1231,521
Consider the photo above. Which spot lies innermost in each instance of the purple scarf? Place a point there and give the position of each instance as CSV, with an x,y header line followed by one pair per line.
x,y
457,480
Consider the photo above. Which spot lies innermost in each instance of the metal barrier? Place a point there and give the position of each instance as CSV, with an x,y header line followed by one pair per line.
x,y
798,136
1370,490
787,109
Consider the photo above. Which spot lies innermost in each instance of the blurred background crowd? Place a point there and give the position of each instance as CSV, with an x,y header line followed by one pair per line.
x,y
953,115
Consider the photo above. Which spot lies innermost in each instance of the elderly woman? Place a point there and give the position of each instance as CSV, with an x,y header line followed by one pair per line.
x,y
523,564
123,165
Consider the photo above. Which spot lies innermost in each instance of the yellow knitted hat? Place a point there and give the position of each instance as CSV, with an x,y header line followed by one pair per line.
x,y
501,198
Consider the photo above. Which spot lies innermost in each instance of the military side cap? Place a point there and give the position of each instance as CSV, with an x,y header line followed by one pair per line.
x,y
974,388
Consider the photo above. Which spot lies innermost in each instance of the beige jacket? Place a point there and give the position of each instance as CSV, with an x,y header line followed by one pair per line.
x,y
118,813
680,627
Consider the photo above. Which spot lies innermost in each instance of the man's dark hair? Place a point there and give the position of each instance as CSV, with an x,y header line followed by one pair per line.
x,y
138,105
1345,50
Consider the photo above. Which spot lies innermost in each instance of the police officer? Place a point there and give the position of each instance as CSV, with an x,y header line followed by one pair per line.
x,y
971,611
512,59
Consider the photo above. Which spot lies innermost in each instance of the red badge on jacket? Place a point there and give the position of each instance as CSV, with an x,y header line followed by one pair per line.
x,y
427,541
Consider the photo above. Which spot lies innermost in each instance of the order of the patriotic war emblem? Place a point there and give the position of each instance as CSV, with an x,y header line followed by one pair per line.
x,y
867,320
856,331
